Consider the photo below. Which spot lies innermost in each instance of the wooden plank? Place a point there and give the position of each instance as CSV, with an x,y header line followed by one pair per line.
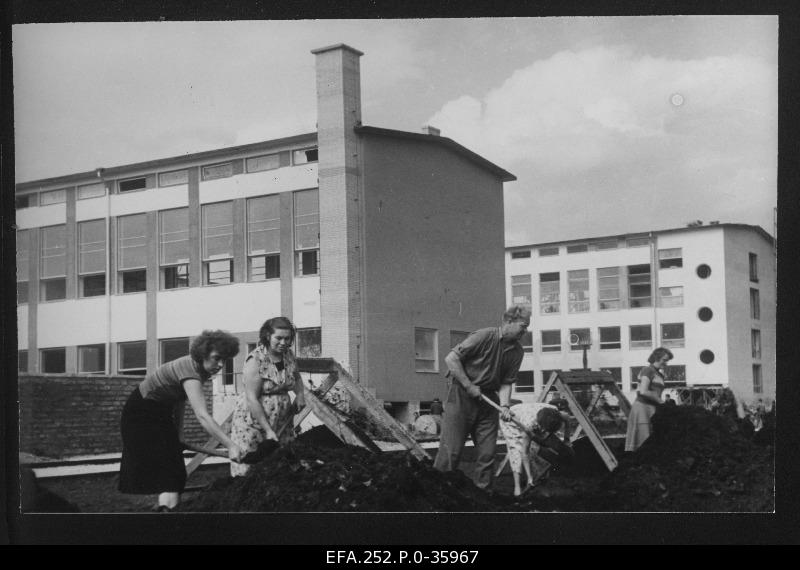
x,y
380,415
323,389
345,431
213,442
588,427
548,387
624,404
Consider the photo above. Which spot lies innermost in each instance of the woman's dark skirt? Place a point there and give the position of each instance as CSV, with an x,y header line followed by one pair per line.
x,y
152,456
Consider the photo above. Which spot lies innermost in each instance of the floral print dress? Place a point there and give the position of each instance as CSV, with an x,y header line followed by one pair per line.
x,y
246,432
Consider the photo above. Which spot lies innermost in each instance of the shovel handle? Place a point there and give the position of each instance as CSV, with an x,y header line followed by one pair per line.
x,y
522,426
205,450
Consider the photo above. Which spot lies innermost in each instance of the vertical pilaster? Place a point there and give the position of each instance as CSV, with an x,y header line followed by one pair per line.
x,y
287,253
152,290
239,232
71,235
195,266
33,300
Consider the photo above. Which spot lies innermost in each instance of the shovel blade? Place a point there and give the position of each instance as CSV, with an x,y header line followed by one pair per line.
x,y
264,449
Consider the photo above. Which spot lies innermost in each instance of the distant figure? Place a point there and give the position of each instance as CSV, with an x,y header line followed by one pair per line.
x,y
668,401
648,398
436,407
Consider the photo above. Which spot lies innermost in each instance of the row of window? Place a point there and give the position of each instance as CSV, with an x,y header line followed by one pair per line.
x,y
171,178
610,282
132,356
262,244
639,336
676,377
548,251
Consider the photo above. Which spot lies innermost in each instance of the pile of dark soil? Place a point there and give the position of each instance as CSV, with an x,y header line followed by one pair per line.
x,y
695,461
37,499
303,477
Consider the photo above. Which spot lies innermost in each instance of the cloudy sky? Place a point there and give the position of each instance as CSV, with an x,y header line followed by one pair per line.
x,y
611,125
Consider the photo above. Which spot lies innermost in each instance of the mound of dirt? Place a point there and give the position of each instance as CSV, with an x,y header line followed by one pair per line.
x,y
304,477
694,461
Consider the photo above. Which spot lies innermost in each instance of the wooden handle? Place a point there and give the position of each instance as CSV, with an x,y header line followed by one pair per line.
x,y
205,450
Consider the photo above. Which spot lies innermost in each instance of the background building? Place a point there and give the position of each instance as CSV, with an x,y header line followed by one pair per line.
x,y
366,238
706,292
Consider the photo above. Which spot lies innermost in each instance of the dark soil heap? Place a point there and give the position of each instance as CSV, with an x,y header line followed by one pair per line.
x,y
694,461
305,477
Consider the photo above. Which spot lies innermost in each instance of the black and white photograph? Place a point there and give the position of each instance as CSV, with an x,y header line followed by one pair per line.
x,y
442,266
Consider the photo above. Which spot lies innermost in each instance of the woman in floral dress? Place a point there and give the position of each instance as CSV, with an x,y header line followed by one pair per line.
x,y
264,410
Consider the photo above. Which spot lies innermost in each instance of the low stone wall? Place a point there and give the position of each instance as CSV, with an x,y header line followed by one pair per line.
x,y
64,415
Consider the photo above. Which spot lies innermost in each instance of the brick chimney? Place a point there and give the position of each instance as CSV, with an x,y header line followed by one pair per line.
x,y
338,113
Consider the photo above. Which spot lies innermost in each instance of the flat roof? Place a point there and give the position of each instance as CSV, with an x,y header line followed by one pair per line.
x,y
501,173
757,229
116,171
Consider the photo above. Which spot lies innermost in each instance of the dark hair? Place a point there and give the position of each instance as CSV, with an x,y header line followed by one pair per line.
x,y
516,313
208,341
549,420
271,325
658,353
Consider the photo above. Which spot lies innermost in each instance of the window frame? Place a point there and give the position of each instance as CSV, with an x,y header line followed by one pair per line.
x,y
81,358
163,341
640,299
247,162
550,346
753,267
673,342
61,194
124,271
578,305
305,151
755,304
522,254
92,185
122,181
217,258
612,344
524,283
181,182
42,358
668,260
551,251
300,253
265,255
602,286
578,248
522,385
434,360
181,264
755,343
641,343
301,349
758,379
204,177
556,303
587,338
670,301
83,275
128,371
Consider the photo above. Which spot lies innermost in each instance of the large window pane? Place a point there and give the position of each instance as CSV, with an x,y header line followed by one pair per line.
x,y
173,178
54,360
669,258
266,162
174,348
132,232
309,343
91,191
132,357
53,197
92,358
670,296
641,336
92,247
521,290
217,171
578,281
639,292
609,338
263,225
53,252
608,288
218,230
174,236
524,381
672,335
551,341
549,285
306,216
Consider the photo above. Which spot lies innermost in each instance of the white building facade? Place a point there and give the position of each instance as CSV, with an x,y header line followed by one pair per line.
x,y
705,292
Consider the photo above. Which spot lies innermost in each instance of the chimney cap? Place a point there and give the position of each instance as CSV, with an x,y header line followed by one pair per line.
x,y
335,47
431,130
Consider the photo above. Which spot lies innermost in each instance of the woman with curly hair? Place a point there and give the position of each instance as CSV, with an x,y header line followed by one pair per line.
x,y
648,398
264,410
152,420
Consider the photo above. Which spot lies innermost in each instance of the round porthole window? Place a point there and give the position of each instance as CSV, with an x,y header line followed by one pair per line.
x,y
706,357
705,314
703,271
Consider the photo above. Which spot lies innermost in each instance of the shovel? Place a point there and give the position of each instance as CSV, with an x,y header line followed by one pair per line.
x,y
551,448
264,449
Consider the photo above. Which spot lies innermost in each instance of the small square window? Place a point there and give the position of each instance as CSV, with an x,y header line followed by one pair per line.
x,y
53,289
93,285
132,184
305,155
578,338
175,276
134,281
426,342
524,383
670,258
219,272
54,360
92,358
173,348
527,341
641,336
670,296
263,267
309,342
521,254
672,335
132,358
610,338
307,262
551,341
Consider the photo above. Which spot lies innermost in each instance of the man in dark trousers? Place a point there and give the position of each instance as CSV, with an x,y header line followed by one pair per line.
x,y
485,363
